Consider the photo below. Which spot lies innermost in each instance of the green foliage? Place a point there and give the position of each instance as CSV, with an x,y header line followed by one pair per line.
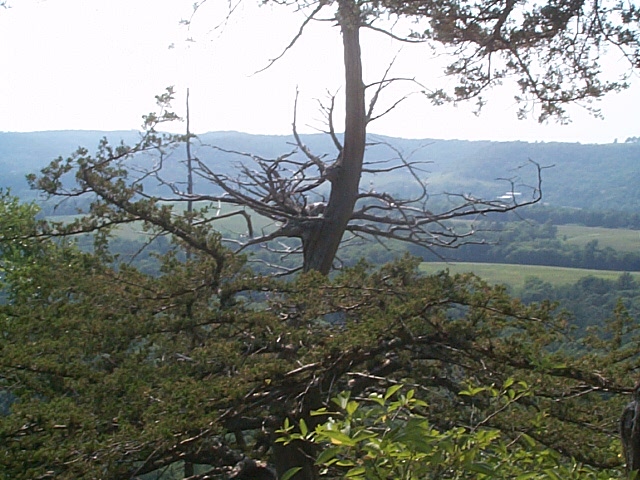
x,y
517,276
18,224
529,243
108,372
104,368
385,436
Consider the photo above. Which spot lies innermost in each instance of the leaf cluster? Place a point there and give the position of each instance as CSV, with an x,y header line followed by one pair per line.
x,y
108,372
385,436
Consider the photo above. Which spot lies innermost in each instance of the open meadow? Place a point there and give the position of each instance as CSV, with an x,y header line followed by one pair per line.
x,y
622,240
514,276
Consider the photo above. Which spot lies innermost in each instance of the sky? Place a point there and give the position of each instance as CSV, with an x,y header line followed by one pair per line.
x,y
97,65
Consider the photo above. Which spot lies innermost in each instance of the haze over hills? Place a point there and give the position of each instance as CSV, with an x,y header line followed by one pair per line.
x,y
592,177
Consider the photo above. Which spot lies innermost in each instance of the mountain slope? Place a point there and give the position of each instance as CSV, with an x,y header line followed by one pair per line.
x,y
592,177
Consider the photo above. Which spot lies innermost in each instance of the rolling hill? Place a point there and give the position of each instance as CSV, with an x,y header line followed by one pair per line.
x,y
591,177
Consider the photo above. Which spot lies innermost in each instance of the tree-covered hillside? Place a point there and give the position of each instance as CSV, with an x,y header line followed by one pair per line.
x,y
588,177
196,372
197,366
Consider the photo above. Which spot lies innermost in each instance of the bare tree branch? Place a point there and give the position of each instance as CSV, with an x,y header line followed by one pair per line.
x,y
320,6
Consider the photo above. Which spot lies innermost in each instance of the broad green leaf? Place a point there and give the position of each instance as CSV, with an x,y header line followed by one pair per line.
x,y
391,390
352,406
303,427
342,399
328,454
530,441
355,472
472,391
290,473
553,475
480,468
338,438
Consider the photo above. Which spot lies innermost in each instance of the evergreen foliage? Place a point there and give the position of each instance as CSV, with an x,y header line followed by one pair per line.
x,y
112,373
109,372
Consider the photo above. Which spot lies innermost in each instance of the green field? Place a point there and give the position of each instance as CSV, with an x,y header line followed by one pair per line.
x,y
228,226
515,275
617,238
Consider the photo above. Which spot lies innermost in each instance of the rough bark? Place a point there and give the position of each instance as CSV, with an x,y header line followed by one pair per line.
x,y
322,241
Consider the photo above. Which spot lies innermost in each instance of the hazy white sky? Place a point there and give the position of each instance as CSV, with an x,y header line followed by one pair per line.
x,y
96,64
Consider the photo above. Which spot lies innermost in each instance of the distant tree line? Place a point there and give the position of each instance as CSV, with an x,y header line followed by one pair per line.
x,y
532,243
588,218
525,242
590,301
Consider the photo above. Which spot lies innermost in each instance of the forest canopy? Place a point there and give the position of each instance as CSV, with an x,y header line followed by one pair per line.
x,y
205,368
111,373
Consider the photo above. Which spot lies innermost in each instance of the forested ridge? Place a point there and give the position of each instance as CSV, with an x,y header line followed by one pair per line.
x,y
151,356
593,319
589,178
181,306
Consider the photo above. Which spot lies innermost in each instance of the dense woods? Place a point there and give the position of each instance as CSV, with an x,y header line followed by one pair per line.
x,y
110,373
531,243
180,359
602,197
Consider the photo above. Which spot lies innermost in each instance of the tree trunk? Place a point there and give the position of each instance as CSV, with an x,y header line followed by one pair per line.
x,y
296,454
321,243
299,453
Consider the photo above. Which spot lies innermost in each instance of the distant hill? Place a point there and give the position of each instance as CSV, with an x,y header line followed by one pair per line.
x,y
593,177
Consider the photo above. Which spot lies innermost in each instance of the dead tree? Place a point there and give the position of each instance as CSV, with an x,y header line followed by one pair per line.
x,y
314,198
551,50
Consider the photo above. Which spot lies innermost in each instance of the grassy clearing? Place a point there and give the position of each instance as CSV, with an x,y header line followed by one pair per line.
x,y
515,275
617,238
227,225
